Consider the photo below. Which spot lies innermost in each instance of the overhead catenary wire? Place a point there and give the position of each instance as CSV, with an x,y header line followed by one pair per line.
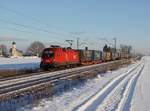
x,y
29,32
32,27
18,30
46,31
35,19
21,14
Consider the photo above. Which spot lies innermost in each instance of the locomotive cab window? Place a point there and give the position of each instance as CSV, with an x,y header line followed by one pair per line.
x,y
48,54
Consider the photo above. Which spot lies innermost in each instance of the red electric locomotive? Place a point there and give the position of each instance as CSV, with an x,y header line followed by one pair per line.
x,y
56,56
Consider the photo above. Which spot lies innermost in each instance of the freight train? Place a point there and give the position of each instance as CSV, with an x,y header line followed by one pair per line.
x,y
56,56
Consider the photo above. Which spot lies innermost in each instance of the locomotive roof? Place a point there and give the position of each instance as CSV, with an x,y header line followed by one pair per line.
x,y
68,48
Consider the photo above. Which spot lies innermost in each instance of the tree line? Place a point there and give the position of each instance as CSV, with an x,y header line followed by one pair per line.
x,y
34,49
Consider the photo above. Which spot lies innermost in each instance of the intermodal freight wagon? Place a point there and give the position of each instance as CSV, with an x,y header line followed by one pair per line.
x,y
90,57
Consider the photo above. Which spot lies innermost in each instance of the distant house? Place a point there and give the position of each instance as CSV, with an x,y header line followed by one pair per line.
x,y
14,52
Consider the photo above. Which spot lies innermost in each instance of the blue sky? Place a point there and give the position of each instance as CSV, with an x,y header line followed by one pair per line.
x,y
53,21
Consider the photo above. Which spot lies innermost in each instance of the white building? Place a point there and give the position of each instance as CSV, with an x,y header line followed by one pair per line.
x,y
14,51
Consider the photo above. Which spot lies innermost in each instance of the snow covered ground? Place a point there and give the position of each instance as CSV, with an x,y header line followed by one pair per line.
x,y
141,100
76,98
19,63
126,89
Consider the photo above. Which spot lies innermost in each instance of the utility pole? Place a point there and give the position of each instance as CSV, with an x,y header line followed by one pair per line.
x,y
115,44
70,42
77,42
134,53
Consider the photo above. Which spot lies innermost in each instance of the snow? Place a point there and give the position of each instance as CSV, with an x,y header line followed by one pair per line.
x,y
71,100
141,101
126,89
19,63
117,90
98,98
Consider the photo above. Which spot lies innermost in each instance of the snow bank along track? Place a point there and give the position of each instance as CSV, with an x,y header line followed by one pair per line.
x,y
116,95
13,87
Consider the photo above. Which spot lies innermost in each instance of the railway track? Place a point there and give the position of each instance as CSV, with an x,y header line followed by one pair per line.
x,y
40,72
12,85
26,75
50,72
26,82
116,95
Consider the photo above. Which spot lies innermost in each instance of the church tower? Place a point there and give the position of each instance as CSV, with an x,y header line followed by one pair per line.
x,y
14,49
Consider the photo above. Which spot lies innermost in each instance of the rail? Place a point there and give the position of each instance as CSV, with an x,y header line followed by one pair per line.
x,y
15,86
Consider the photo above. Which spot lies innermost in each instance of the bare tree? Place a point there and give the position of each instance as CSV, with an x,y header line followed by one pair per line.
x,y
36,48
3,50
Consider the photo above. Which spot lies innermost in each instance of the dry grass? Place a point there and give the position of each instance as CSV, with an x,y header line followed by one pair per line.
x,y
14,72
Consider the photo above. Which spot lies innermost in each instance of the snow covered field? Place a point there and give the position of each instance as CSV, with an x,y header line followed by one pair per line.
x,y
85,97
19,63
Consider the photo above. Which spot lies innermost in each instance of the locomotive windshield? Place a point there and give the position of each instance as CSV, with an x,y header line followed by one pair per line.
x,y
48,54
